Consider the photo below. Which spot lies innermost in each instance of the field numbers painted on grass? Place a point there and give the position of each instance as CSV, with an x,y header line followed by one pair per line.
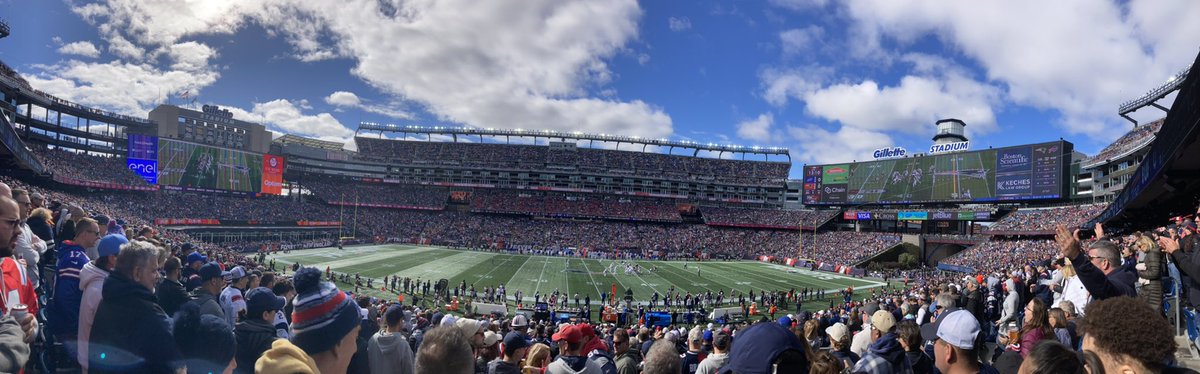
x,y
538,280
650,285
700,284
743,283
823,277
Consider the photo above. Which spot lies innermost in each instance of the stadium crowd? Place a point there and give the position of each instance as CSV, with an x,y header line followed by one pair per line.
x,y
333,190
1044,220
728,216
539,157
997,254
572,205
83,167
1139,136
208,310
843,247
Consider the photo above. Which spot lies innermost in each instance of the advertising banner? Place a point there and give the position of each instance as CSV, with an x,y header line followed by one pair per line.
x,y
942,215
884,216
849,215
1013,185
1013,160
983,215
864,216
147,169
912,216
966,216
272,177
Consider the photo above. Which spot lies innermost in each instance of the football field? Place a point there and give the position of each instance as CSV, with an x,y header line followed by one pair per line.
x,y
544,274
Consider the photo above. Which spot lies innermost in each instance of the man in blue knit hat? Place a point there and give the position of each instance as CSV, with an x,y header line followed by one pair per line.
x,y
325,323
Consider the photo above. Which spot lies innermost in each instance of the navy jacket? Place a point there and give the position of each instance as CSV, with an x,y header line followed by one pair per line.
x,y
131,334
1118,283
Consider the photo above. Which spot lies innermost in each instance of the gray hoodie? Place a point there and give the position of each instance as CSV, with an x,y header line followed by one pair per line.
x,y
91,282
389,353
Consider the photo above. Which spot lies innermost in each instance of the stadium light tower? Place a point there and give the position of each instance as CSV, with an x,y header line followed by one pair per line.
x,y
950,130
4,30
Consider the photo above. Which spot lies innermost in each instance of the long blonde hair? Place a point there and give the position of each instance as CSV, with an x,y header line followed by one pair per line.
x,y
1068,270
537,359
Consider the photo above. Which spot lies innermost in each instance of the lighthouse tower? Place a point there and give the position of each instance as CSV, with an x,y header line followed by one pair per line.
x,y
950,130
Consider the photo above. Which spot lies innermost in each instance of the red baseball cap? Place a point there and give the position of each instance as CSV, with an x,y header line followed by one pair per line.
x,y
586,330
570,334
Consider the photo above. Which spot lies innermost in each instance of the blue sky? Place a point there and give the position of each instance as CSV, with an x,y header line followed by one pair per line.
x,y
830,80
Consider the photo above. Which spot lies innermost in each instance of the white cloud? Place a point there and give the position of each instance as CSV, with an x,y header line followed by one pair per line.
x,y
757,129
679,23
127,88
817,145
779,85
286,116
912,106
800,41
503,64
1078,58
342,98
190,56
82,48
123,48
350,100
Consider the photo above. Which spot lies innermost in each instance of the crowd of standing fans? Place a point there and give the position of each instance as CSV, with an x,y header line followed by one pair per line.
x,y
1140,135
715,215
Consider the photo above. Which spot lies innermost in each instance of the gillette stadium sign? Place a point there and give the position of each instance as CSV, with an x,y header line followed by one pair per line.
x,y
949,147
893,152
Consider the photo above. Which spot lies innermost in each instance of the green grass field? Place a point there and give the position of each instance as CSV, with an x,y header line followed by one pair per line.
x,y
545,274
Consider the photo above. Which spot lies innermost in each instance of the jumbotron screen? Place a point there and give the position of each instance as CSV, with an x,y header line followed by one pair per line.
x,y
197,166
1027,172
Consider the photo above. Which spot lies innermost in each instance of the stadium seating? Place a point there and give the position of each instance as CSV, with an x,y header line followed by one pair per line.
x,y
750,217
1043,221
573,205
842,247
1000,255
1132,139
535,157
377,194
89,168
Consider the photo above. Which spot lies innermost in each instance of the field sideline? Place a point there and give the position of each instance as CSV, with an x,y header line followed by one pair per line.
x,y
545,274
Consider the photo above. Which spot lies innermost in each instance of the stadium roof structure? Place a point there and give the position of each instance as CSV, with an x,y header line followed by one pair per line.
x,y
1151,98
1167,181
455,132
315,143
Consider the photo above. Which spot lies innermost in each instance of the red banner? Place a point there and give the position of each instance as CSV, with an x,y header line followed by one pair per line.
x,y
272,174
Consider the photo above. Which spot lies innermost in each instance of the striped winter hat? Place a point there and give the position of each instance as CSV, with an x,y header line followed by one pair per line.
x,y
322,315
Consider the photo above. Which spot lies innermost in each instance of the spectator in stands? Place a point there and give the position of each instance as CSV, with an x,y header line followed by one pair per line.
x,y
766,347
42,224
1129,337
205,342
388,350
14,350
284,289
595,349
444,350
29,247
515,347
233,303
690,360
537,359
194,261
10,271
256,332
661,359
885,354
956,343
1099,268
909,336
839,341
212,280
1050,357
64,307
570,353
131,334
1150,271
1035,329
862,339
169,291
91,281
628,358
719,355
325,322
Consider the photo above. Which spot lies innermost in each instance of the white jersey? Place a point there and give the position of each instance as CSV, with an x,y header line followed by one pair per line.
x,y
232,303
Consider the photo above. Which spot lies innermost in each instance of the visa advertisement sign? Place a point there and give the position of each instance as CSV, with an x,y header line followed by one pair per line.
x,y
147,169
272,176
864,216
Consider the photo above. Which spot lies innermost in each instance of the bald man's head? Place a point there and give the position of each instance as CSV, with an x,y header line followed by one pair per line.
x,y
5,190
10,219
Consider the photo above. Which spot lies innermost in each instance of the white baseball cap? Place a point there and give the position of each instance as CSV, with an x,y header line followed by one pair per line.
x,y
958,328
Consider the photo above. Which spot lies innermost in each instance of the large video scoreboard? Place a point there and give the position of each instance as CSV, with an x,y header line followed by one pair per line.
x,y
201,167
1027,172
